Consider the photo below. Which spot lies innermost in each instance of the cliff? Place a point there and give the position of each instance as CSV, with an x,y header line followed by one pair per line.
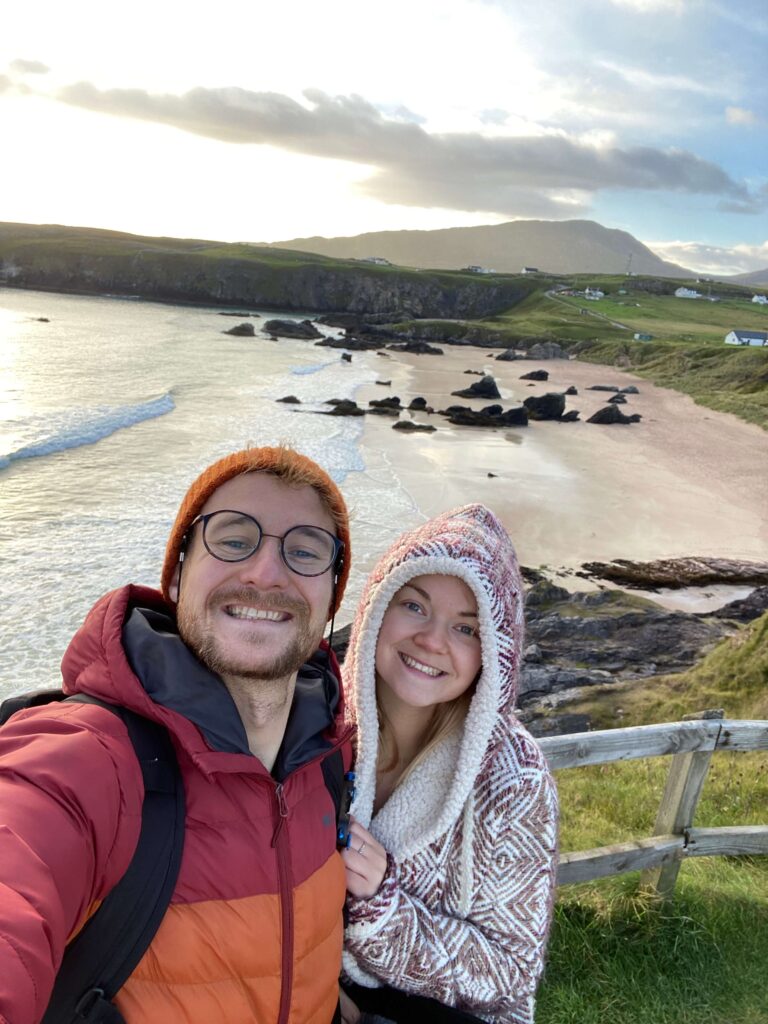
x,y
91,261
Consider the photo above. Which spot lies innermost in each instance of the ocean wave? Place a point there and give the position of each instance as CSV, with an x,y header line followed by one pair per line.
x,y
302,371
73,428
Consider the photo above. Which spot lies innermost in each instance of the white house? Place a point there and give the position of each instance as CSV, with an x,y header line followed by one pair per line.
x,y
687,293
594,294
755,338
761,300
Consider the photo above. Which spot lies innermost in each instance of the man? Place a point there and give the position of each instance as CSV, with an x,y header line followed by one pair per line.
x,y
229,659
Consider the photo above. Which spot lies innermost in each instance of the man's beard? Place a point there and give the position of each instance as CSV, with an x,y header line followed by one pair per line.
x,y
210,650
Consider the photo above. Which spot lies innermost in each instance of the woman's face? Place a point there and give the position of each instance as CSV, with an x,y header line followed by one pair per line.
x,y
428,651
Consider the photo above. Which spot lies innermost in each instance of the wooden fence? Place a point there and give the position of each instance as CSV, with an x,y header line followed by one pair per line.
x,y
691,743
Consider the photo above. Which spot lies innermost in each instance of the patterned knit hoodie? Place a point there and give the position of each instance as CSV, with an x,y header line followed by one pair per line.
x,y
463,912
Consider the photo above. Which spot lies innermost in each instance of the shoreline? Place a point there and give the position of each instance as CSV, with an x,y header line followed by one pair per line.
x,y
685,481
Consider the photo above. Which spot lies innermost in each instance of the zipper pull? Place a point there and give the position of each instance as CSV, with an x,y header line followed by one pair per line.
x,y
282,810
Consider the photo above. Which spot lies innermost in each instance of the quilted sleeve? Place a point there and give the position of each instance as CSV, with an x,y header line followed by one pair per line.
x,y
490,960
71,793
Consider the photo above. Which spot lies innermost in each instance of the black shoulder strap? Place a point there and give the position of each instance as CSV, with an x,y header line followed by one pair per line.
x,y
107,949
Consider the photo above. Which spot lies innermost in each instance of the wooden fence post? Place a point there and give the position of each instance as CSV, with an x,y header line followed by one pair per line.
x,y
685,781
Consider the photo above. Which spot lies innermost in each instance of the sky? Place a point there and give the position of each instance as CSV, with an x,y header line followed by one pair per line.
x,y
248,120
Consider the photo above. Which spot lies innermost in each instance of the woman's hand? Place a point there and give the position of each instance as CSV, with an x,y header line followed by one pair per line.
x,y
350,1014
366,862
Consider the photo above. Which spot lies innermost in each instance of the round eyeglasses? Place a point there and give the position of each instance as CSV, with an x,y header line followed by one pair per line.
x,y
234,536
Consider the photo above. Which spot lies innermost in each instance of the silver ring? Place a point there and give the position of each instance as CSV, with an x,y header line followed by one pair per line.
x,y
362,847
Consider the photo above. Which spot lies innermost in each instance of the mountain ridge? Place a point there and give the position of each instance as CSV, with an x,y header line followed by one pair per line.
x,y
557,247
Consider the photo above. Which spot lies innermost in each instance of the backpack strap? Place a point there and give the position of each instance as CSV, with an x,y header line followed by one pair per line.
x,y
106,951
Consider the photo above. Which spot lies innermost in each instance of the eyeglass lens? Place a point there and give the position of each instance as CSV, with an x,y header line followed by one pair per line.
x,y
234,536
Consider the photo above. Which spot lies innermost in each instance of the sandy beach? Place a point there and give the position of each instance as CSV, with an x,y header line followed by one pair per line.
x,y
684,481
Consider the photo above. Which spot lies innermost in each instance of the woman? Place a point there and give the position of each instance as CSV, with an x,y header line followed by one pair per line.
x,y
451,867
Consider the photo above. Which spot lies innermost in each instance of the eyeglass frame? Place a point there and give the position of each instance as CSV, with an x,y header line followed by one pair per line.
x,y
336,562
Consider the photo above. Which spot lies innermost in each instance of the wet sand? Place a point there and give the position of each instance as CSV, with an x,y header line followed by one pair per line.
x,y
683,481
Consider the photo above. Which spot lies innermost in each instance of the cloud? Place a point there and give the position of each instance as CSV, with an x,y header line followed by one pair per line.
x,y
460,170
28,67
738,115
652,6
713,259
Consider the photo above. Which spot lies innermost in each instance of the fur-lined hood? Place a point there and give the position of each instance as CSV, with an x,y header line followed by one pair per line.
x,y
470,543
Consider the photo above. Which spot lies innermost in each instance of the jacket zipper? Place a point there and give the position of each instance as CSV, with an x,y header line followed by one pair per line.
x,y
285,884
280,844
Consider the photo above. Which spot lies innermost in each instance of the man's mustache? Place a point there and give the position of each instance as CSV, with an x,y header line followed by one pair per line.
x,y
259,598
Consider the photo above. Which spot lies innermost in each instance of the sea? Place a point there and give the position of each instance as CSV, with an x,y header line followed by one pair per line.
x,y
109,408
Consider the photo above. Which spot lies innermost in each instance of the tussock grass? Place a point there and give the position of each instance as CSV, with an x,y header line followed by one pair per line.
x,y
617,956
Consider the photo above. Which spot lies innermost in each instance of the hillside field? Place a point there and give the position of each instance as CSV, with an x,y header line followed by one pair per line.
x,y
614,955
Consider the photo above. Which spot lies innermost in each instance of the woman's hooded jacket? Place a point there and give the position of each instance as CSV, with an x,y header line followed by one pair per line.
x,y
464,909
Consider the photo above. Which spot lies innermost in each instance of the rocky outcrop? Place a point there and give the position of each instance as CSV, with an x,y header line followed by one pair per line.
x,y
536,375
304,329
241,331
289,400
410,427
745,609
484,388
679,572
484,418
545,407
418,348
344,407
612,414
353,344
547,350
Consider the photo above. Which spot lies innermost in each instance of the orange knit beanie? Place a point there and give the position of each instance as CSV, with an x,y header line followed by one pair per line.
x,y
287,465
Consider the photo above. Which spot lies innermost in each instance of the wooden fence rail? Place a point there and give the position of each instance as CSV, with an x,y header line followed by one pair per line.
x,y
691,744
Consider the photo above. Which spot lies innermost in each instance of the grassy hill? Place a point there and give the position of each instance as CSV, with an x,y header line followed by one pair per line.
x,y
613,955
555,247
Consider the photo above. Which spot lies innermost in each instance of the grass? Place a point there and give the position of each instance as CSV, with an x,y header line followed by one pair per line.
x,y
616,956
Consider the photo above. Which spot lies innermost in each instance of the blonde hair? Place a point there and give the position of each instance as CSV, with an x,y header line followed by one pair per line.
x,y
446,719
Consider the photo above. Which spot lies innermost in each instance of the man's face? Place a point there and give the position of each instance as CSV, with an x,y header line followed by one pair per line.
x,y
254,619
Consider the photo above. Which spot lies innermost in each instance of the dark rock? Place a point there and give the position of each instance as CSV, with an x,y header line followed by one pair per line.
x,y
617,399
344,407
493,410
335,401
392,402
746,609
508,356
353,344
418,403
532,654
241,331
293,329
385,410
612,414
491,475
679,572
630,389
571,390
569,417
419,348
470,418
545,593
42,319
536,375
476,373
539,680
484,388
240,315
385,354
453,410
409,427
384,383
545,407
602,387
289,400
346,357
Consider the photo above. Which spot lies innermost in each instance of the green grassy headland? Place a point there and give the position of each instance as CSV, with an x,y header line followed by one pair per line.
x,y
614,955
